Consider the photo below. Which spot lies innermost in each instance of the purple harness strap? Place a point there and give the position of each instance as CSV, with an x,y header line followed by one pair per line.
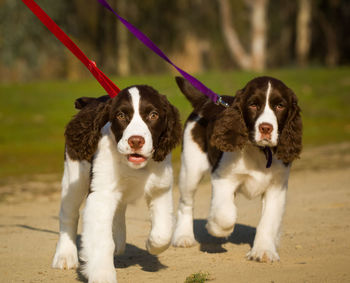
x,y
146,41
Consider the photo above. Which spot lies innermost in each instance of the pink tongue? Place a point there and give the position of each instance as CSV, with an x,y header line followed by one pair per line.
x,y
135,158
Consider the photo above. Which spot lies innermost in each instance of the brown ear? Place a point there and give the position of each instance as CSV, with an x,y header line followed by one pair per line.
x,y
84,130
229,131
290,141
81,102
171,136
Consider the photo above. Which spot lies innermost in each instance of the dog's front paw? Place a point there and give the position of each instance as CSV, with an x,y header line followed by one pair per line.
x,y
157,245
263,255
183,235
66,256
103,276
184,241
217,230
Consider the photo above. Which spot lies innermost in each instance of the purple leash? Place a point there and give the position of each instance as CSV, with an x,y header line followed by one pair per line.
x,y
146,41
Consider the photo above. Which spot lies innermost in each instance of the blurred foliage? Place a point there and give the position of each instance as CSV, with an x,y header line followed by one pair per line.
x,y
33,115
28,51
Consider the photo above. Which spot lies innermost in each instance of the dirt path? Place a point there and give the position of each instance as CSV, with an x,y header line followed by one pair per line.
x,y
315,245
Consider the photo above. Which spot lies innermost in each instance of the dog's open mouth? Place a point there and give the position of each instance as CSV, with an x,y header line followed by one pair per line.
x,y
136,158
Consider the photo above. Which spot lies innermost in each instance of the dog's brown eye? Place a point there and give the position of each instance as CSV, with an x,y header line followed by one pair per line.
x,y
280,107
253,106
153,115
121,116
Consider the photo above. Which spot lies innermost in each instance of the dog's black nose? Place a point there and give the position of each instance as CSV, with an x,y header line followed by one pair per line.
x,y
136,142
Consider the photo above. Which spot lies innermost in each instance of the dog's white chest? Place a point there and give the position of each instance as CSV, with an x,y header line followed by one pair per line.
x,y
255,184
247,169
133,186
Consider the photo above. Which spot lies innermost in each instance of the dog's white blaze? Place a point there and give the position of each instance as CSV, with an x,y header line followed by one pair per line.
x,y
267,116
136,127
135,98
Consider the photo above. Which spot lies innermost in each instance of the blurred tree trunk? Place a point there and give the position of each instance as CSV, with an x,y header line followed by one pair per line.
x,y
100,36
123,63
259,26
329,27
236,49
257,59
192,56
303,32
332,56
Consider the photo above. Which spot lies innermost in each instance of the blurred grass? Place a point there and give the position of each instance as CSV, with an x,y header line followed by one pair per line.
x,y
33,115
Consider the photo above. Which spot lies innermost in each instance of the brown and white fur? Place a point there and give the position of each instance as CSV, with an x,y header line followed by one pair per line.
x,y
229,143
116,151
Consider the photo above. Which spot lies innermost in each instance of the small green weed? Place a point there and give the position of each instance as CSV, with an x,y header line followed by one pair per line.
x,y
198,277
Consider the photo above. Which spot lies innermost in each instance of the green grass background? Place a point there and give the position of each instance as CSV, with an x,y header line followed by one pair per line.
x,y
33,115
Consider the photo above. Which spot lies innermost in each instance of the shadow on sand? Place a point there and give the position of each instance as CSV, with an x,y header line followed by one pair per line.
x,y
132,255
242,234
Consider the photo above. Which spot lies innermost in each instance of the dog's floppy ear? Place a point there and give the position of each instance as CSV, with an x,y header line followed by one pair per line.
x,y
81,102
84,130
290,141
171,135
229,131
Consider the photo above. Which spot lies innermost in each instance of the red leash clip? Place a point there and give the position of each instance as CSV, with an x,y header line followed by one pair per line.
x,y
105,82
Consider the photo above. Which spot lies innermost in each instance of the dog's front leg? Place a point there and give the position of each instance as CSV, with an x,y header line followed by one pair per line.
x,y
223,214
160,204
75,185
193,165
267,235
97,239
119,229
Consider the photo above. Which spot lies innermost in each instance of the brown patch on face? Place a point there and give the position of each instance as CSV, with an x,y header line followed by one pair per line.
x,y
166,129
253,99
121,113
154,109
281,101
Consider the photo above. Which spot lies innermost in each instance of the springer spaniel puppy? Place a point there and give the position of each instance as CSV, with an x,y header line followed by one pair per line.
x,y
116,151
248,148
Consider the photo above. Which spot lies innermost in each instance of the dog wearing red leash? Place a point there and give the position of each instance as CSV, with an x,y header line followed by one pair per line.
x,y
117,150
249,148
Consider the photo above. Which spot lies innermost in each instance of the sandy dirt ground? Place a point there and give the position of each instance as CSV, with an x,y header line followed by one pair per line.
x,y
315,244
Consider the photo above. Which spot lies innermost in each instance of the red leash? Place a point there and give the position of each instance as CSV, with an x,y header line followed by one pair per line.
x,y
105,82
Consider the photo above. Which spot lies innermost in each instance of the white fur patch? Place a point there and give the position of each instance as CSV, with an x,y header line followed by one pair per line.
x,y
267,116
